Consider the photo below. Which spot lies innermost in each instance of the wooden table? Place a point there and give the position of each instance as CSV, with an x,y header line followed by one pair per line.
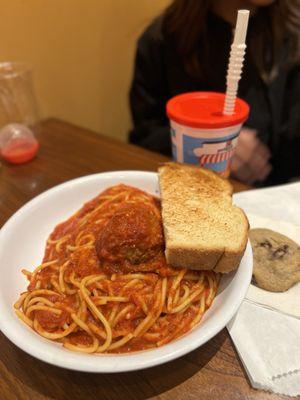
x,y
211,372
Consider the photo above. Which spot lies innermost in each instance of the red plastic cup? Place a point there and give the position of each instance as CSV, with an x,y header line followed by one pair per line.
x,y
201,134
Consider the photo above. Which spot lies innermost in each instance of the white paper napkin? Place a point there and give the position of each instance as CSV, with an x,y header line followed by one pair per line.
x,y
269,346
266,329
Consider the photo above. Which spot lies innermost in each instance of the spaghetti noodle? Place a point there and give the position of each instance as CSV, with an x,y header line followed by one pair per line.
x,y
104,285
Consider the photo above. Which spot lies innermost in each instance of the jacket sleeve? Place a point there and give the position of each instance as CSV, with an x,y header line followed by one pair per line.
x,y
148,97
288,158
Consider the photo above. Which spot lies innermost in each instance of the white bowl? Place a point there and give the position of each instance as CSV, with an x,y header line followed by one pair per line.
x,y
22,243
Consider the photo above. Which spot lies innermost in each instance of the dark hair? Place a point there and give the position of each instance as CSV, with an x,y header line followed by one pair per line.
x,y
273,26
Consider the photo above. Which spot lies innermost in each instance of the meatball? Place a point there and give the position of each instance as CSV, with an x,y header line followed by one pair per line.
x,y
132,240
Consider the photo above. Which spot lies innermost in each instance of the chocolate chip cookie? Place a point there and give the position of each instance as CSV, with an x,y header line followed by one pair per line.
x,y
276,260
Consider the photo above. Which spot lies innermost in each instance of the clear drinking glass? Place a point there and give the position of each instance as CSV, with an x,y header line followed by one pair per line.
x,y
17,97
18,113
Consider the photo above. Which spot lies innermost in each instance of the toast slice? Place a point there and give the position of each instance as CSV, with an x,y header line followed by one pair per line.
x,y
203,229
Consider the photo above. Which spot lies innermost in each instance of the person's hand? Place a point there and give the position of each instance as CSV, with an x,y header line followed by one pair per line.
x,y
250,162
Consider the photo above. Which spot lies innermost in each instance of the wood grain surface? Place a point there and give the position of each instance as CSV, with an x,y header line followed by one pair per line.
x,y
211,372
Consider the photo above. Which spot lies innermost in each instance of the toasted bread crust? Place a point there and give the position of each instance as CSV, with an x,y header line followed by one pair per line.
x,y
193,199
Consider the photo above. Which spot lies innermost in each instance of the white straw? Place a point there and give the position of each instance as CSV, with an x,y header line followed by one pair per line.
x,y
241,27
236,60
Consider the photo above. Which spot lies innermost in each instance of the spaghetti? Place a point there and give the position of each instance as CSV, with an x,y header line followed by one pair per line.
x,y
104,285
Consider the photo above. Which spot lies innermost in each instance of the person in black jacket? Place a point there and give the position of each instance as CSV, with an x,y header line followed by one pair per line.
x,y
187,48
